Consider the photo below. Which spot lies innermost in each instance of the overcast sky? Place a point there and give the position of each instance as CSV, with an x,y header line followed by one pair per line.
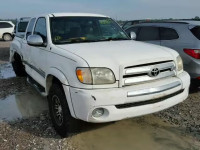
x,y
117,9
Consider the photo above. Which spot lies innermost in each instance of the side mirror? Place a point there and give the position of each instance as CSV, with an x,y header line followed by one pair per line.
x,y
133,35
35,40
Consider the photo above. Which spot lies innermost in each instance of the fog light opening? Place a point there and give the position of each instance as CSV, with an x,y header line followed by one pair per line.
x,y
98,112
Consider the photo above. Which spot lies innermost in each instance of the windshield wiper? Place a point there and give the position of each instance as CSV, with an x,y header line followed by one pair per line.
x,y
113,39
74,41
80,40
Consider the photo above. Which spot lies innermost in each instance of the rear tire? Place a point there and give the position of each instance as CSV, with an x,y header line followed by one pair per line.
x,y
18,67
7,37
62,120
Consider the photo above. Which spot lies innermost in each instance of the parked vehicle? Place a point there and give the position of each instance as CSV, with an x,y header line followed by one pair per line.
x,y
21,26
182,36
6,30
128,24
90,69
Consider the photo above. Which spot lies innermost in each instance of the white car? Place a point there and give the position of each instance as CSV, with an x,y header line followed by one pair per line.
x,y
90,69
6,30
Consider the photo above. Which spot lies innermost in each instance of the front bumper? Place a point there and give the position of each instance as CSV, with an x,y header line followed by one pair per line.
x,y
119,104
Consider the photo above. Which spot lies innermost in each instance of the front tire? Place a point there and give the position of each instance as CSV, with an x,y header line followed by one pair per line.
x,y
7,37
18,67
59,111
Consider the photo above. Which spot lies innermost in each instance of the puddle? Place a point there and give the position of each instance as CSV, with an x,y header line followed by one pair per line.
x,y
6,71
146,133
24,105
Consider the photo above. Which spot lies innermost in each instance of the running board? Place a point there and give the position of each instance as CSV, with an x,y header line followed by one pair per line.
x,y
37,86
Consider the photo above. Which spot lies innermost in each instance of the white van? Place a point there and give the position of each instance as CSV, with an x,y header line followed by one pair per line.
x,y
6,30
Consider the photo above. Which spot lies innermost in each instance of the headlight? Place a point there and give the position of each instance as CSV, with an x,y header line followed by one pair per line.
x,y
179,63
102,76
95,76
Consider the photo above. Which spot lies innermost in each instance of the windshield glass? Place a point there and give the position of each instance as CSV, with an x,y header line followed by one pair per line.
x,y
85,29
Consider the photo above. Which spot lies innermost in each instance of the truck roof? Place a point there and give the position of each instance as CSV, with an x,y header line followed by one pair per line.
x,y
77,14
24,19
71,14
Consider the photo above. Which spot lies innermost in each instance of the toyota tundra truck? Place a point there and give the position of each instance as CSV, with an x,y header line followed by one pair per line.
x,y
90,70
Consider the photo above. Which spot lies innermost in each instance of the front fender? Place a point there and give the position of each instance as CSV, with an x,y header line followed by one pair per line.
x,y
15,47
58,74
55,72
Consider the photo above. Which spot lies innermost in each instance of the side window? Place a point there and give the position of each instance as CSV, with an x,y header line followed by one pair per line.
x,y
148,34
168,34
22,26
5,25
196,32
40,29
133,29
30,27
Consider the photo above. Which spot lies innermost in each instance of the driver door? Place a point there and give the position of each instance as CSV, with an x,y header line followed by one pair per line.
x,y
39,53
26,49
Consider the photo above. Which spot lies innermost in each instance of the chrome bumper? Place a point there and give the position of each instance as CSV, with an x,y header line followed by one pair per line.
x,y
154,90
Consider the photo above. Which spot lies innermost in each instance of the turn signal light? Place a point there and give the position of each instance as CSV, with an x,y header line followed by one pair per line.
x,y
79,75
84,75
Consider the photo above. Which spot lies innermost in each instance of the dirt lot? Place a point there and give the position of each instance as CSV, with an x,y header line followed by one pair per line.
x,y
24,122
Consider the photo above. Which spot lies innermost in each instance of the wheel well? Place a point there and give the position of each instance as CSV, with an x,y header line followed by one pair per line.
x,y
17,57
7,33
49,82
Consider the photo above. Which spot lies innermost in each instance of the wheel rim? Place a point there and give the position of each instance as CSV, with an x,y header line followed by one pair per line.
x,y
57,110
7,37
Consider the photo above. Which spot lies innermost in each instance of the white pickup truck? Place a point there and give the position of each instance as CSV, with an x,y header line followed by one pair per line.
x,y
89,69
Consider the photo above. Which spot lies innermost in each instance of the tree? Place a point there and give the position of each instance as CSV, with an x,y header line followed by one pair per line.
x,y
196,18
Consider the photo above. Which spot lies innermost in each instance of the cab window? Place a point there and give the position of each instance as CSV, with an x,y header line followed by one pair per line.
x,y
30,27
22,26
40,29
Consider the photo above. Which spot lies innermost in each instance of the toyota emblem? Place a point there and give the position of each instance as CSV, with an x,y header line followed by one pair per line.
x,y
154,72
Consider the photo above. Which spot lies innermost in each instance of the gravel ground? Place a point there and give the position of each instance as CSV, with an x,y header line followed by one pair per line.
x,y
12,86
37,133
186,114
4,53
32,133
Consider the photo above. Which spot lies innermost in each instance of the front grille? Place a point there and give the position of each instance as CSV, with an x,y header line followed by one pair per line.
x,y
143,73
153,101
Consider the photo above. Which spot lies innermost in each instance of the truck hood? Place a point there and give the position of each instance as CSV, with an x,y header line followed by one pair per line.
x,y
120,53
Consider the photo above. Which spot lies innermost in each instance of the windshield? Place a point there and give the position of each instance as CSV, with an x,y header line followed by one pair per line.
x,y
85,29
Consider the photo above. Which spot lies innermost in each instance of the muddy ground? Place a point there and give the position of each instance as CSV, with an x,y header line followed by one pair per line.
x,y
25,124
